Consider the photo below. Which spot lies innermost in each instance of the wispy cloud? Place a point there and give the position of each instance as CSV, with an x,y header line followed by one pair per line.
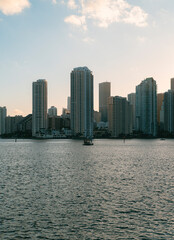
x,y
10,7
88,40
79,21
72,4
105,12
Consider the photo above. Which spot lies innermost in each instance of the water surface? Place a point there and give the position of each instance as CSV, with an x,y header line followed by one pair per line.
x,y
60,189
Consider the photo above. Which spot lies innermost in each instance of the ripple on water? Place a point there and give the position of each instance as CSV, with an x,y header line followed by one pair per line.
x,y
61,190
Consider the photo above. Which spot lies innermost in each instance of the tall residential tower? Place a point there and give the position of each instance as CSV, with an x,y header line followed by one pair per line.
x,y
104,93
82,102
119,116
172,84
39,112
132,99
146,107
3,114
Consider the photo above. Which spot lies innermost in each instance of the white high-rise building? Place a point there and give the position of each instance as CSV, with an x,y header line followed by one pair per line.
x,y
52,111
39,113
3,114
146,107
82,102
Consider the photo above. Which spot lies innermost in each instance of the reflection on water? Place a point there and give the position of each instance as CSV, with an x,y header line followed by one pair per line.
x,y
63,190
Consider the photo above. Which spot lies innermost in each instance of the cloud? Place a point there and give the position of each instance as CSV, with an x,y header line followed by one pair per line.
x,y
72,4
10,7
88,40
105,12
76,20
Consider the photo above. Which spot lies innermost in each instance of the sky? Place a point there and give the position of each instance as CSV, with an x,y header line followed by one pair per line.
x,y
120,41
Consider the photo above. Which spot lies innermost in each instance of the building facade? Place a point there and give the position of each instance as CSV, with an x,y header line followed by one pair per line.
x,y
97,116
160,98
52,111
132,99
3,114
39,110
104,93
119,116
172,84
146,107
169,112
82,102
12,124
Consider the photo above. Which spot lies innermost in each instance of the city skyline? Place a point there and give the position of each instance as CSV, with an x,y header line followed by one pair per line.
x,y
145,112
96,108
122,49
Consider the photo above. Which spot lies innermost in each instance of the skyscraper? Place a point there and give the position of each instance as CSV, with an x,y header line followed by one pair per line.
x,y
52,111
39,112
169,111
160,97
3,114
132,99
104,93
146,107
172,84
119,116
82,102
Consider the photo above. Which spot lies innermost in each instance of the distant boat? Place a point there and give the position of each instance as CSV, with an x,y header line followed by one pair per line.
x,y
88,142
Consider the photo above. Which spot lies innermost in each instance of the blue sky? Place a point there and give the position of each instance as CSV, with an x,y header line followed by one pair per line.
x,y
121,41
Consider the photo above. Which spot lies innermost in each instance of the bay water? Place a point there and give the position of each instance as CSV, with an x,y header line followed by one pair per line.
x,y
60,189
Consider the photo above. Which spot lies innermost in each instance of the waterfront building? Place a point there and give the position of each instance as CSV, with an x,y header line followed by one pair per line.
x,y
82,102
65,113
119,116
162,117
55,123
169,111
146,107
25,125
97,116
172,84
3,114
160,98
58,123
110,114
39,111
52,111
132,99
104,93
11,124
